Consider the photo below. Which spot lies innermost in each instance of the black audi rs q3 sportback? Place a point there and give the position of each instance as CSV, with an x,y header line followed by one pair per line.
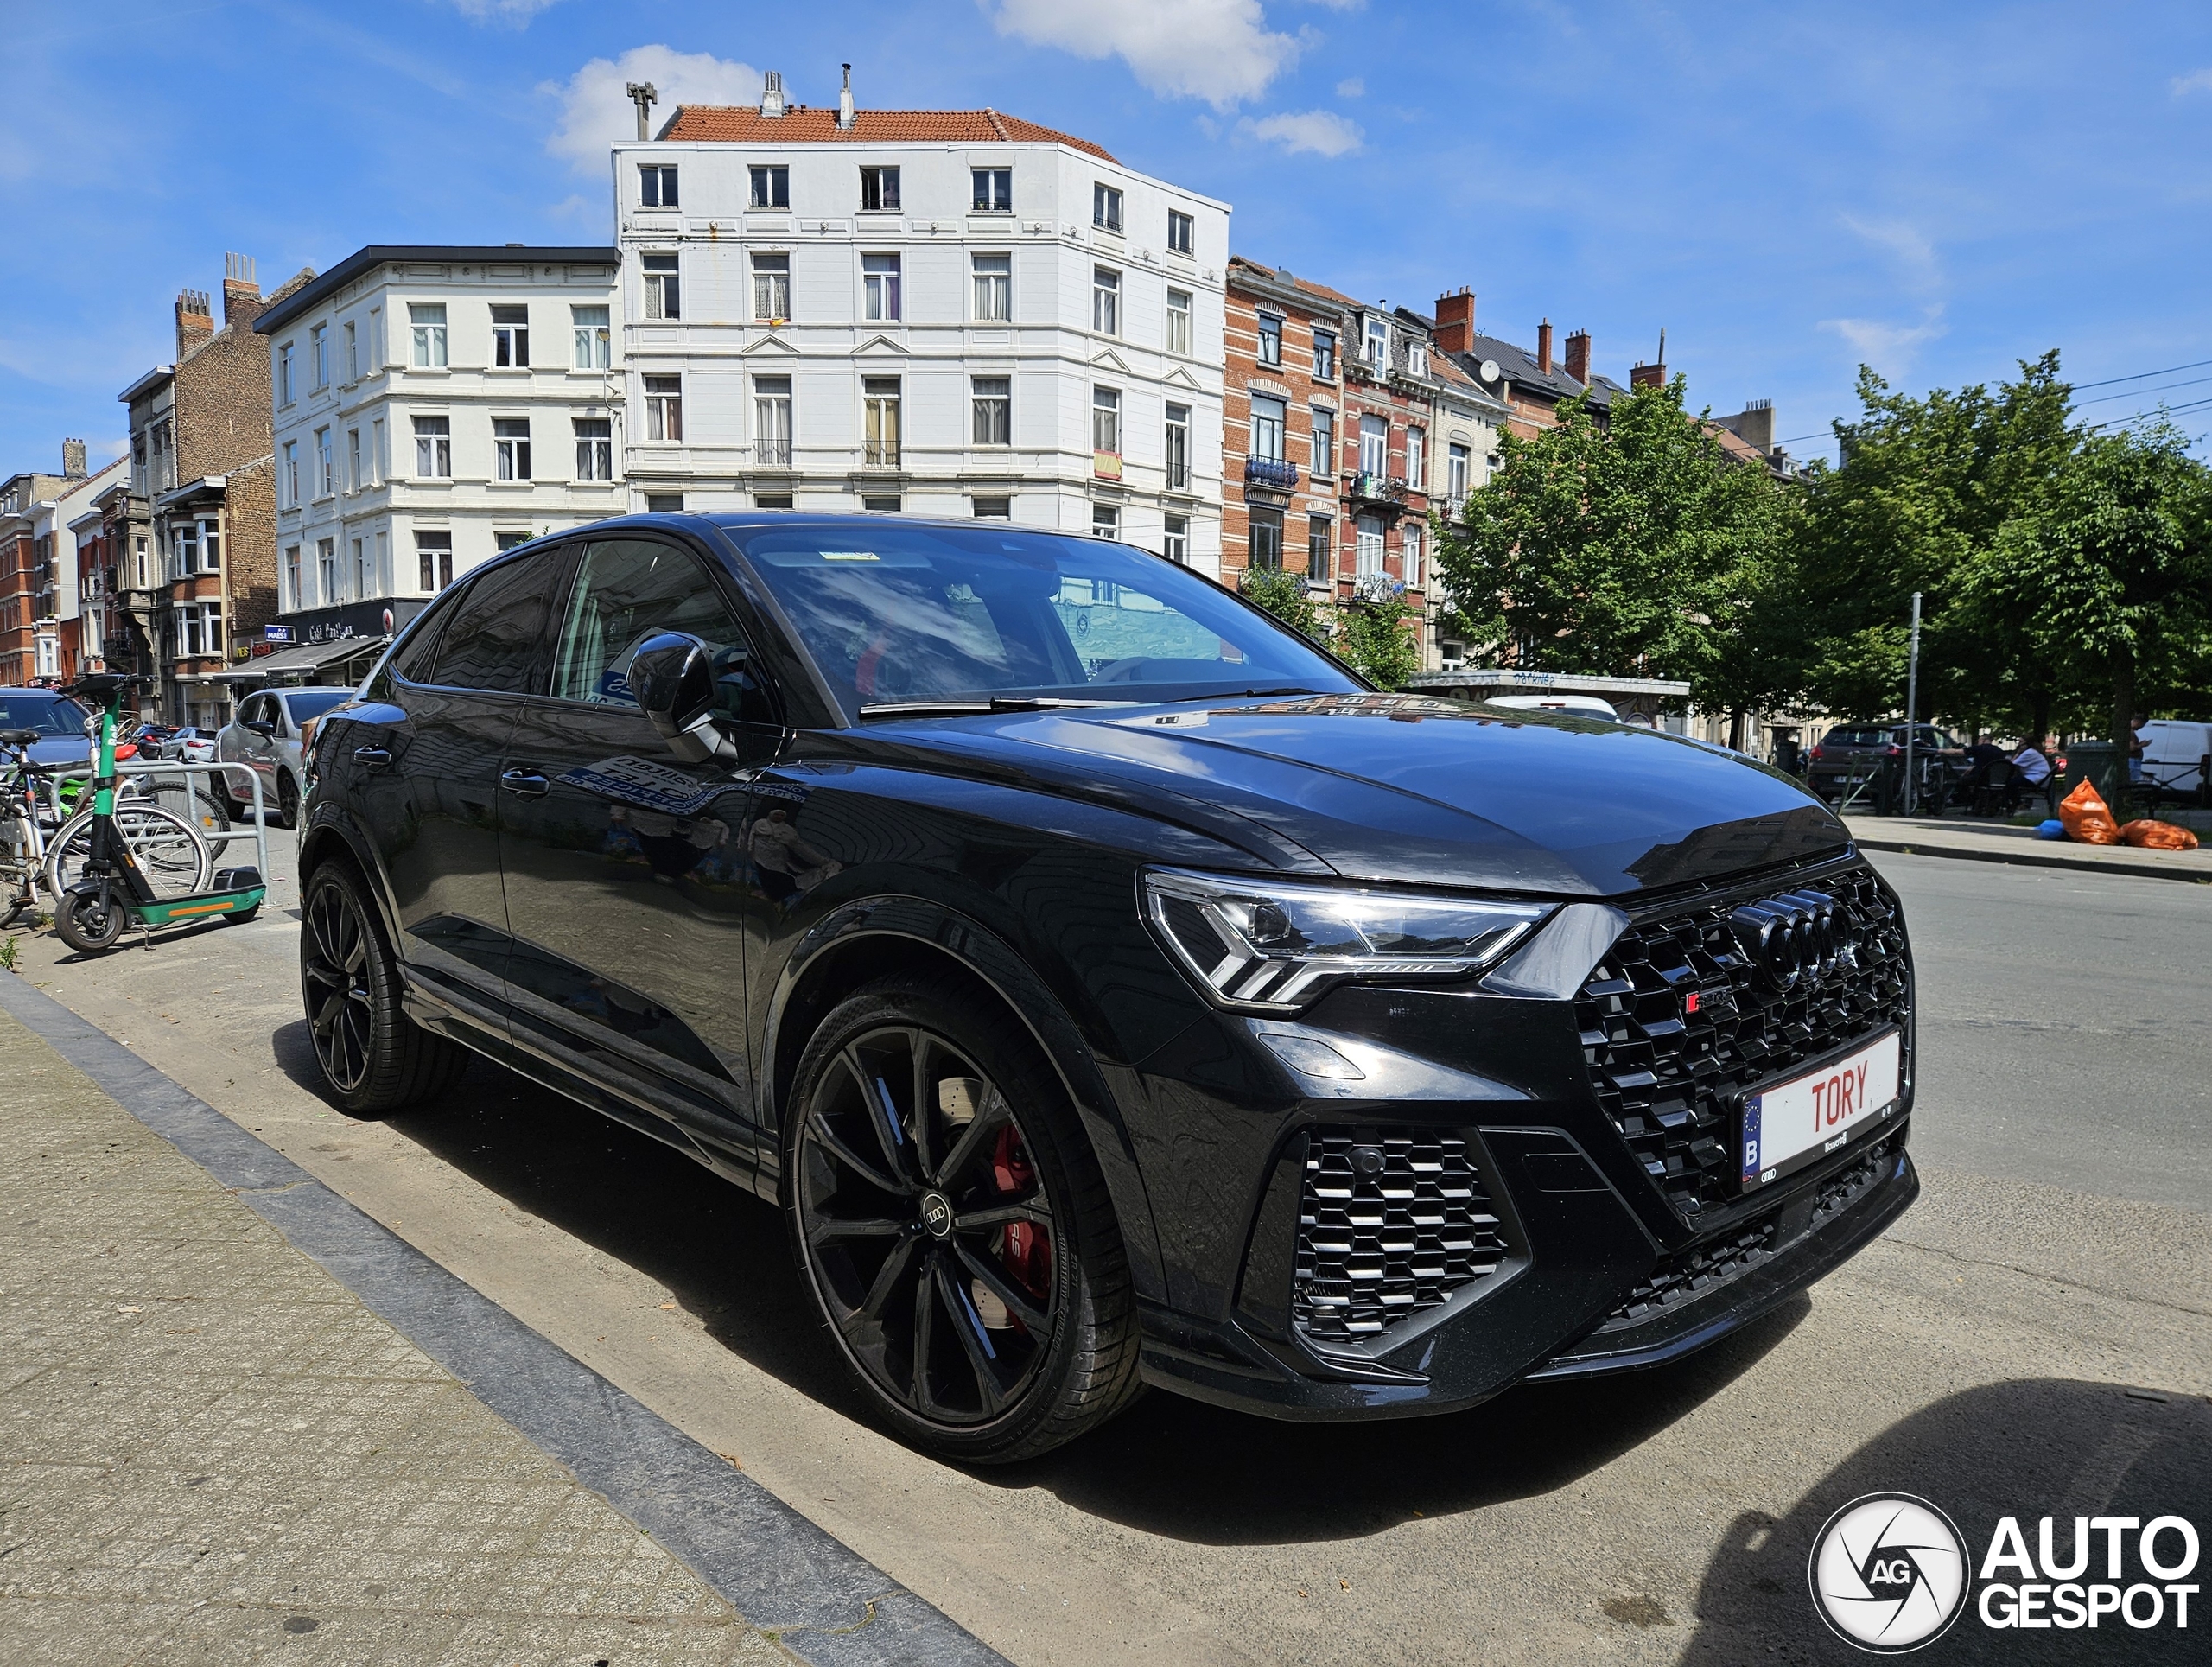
x,y
1108,986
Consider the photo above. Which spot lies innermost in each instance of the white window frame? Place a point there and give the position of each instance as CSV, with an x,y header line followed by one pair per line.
x,y
284,395
326,469
433,446
881,298
990,410
991,291
1106,420
1367,548
768,186
319,355
773,421
882,413
658,185
1105,300
771,285
985,182
1324,459
1179,322
593,338
433,559
1270,427
1106,206
664,409
426,320
1182,230
511,457
664,276
1417,458
511,338
1374,445
1176,462
1175,539
353,354
874,180
594,450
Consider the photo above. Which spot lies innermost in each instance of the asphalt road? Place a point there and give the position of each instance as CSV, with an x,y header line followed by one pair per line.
x,y
2034,1338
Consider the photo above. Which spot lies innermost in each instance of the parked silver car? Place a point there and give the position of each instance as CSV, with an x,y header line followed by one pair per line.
x,y
265,736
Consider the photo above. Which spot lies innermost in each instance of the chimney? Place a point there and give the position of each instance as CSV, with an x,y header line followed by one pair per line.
x,y
1544,346
1653,375
72,459
1755,423
845,103
1455,321
241,291
1577,356
771,93
643,94
195,320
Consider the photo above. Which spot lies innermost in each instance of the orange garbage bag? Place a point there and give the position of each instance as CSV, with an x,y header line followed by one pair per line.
x,y
2157,835
2088,818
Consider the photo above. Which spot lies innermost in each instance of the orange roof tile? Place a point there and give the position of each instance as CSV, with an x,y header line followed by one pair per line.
x,y
743,124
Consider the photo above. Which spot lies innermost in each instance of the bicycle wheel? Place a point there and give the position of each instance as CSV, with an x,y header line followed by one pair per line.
x,y
171,853
195,804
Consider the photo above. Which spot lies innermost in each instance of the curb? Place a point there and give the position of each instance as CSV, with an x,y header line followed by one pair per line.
x,y
2027,859
824,1602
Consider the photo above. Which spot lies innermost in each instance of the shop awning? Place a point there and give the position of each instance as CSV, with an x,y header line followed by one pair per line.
x,y
309,657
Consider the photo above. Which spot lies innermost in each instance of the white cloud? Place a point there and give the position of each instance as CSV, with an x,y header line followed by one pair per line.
x,y
1321,132
1913,252
1352,88
518,12
595,112
1889,348
1221,51
2198,80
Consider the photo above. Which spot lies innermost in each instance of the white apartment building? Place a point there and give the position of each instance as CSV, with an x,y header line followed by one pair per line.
x,y
951,313
433,407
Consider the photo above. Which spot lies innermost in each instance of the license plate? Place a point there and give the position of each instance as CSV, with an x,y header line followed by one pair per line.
x,y
1790,1125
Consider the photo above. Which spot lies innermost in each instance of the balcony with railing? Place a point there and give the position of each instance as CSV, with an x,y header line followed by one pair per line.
x,y
1271,475
1369,488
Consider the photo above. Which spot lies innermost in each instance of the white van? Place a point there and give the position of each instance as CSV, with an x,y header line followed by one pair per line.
x,y
2174,753
1583,706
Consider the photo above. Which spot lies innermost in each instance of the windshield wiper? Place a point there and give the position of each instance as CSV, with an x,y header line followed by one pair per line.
x,y
1237,694
959,707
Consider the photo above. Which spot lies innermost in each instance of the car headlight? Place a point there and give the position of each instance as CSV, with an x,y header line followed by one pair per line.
x,y
1275,946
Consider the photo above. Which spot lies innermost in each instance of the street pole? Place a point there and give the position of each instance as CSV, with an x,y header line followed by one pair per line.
x,y
1911,704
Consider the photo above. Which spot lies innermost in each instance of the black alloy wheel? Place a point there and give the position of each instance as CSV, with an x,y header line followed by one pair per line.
x,y
287,800
375,1059
955,1229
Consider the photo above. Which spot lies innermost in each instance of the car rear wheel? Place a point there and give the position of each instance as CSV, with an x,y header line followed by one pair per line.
x,y
287,800
375,1059
954,1229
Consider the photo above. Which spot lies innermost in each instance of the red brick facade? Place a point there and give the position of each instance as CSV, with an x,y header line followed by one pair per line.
x,y
1274,484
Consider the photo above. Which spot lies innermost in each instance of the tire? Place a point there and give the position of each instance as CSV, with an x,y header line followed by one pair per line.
x,y
375,1059
287,800
969,1268
90,921
198,806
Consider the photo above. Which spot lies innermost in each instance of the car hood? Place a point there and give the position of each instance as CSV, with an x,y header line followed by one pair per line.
x,y
61,749
1415,790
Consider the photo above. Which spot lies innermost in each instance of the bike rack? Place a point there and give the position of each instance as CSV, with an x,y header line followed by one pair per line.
x,y
191,775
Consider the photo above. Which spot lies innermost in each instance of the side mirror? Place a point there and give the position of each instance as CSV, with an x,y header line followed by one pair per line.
x,y
672,680
259,726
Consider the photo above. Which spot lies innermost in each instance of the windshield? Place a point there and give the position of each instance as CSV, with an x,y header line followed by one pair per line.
x,y
47,716
313,703
898,614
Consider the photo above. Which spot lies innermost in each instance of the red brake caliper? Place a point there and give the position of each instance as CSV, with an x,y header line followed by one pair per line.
x,y
1025,1250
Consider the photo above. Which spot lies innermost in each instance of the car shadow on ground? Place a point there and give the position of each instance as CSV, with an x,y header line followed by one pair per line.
x,y
1168,1466
2028,1450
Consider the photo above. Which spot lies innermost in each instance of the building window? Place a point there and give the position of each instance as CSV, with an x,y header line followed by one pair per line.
x,y
772,288
594,448
1105,521
771,422
993,276
428,319
1106,420
1270,418
353,354
1270,340
1325,355
1417,358
319,354
1180,227
433,560
880,414
510,445
881,505
657,186
1458,461
880,187
993,406
356,585
510,337
664,408
771,188
1106,301
326,570
1105,207
1264,544
199,629
1324,442
1374,445
1179,322
593,339
1378,344
184,551
291,601
284,374
433,448
664,293
504,542
353,478
291,474
994,509
1321,551
671,503
1413,543
1178,448
991,190
1417,459
1368,550
879,287
379,459
324,481
1175,539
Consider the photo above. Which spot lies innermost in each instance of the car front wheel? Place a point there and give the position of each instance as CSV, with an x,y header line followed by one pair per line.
x,y
375,1059
954,1229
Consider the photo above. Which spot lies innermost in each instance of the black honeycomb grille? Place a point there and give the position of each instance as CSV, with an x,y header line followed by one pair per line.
x,y
1668,1071
1375,1249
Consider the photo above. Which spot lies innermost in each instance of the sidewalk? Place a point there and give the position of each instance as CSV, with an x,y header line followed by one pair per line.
x,y
1993,841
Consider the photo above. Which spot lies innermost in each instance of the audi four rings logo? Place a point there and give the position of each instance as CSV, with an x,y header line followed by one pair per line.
x,y
1798,937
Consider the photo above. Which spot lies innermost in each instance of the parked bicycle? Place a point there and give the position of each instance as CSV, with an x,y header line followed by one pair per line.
x,y
43,844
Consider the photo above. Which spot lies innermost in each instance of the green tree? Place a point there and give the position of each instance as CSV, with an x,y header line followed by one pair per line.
x,y
1283,593
1372,638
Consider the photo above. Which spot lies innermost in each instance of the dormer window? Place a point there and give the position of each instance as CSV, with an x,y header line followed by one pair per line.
x,y
1378,343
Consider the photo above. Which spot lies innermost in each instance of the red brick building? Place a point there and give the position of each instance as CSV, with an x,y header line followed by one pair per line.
x,y
1386,452
1530,382
1282,401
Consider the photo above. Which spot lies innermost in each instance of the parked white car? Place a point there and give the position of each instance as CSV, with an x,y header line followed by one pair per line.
x,y
265,737
191,744
2174,753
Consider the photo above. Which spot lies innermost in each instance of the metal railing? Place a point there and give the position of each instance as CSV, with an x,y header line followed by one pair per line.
x,y
1271,472
196,778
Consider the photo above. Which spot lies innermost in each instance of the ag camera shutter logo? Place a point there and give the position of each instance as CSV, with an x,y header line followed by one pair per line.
x,y
1889,1573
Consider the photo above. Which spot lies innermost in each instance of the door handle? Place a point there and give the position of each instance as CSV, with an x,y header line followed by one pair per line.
x,y
375,757
524,784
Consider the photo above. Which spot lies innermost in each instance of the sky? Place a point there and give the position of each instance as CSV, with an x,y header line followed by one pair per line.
x,y
1789,191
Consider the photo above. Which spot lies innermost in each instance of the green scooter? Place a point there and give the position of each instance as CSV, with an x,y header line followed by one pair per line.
x,y
114,895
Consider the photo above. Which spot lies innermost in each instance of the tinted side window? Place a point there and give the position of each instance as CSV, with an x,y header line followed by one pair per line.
x,y
626,590
496,639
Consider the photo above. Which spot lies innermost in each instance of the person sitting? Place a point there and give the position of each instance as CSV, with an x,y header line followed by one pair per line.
x,y
2031,769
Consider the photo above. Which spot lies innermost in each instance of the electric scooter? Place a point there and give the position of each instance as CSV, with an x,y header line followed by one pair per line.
x,y
113,895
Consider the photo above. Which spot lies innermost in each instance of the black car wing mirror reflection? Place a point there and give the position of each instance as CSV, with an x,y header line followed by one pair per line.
x,y
672,680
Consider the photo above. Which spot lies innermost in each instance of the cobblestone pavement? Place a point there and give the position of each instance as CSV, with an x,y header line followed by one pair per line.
x,y
213,1452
